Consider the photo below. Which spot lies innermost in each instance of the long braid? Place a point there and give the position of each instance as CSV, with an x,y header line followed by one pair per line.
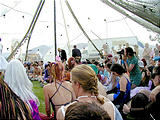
x,y
94,89
12,107
88,80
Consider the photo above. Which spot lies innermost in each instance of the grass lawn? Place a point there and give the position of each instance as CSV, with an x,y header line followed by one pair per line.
x,y
38,91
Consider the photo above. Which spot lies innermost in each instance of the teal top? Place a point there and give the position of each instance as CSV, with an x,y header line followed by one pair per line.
x,y
135,73
94,67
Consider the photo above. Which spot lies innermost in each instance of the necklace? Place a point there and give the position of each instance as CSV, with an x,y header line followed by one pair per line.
x,y
86,97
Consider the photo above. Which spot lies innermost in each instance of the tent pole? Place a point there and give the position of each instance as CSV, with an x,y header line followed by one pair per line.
x,y
55,38
39,8
79,25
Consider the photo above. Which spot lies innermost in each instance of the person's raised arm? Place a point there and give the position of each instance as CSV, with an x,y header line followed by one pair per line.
x,y
130,67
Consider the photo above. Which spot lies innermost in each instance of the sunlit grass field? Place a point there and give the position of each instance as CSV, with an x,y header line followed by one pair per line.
x,y
38,91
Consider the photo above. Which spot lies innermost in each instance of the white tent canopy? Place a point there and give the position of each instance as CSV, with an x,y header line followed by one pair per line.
x,y
94,16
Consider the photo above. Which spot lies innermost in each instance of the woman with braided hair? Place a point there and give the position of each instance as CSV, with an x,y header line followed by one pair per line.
x,y
11,106
84,83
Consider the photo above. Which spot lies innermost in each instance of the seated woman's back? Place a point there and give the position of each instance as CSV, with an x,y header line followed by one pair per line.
x,y
59,93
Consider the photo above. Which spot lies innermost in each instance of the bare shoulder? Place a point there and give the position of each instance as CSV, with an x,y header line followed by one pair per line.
x,y
125,78
158,87
109,107
49,86
156,90
107,103
67,84
104,97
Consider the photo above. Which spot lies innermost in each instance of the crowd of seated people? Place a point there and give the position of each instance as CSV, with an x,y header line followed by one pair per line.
x,y
145,104
126,88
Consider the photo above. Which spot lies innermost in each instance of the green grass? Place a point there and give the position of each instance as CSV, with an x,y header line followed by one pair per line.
x,y
38,91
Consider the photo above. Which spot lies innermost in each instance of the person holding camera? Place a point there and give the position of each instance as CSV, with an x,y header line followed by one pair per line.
x,y
131,64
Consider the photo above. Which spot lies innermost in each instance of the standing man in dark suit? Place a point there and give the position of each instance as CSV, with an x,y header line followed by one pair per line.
x,y
76,53
62,54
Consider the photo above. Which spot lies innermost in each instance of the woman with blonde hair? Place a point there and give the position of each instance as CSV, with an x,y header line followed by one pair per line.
x,y
58,93
84,83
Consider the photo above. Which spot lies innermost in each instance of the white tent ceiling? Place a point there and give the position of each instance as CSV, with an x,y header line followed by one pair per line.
x,y
95,17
